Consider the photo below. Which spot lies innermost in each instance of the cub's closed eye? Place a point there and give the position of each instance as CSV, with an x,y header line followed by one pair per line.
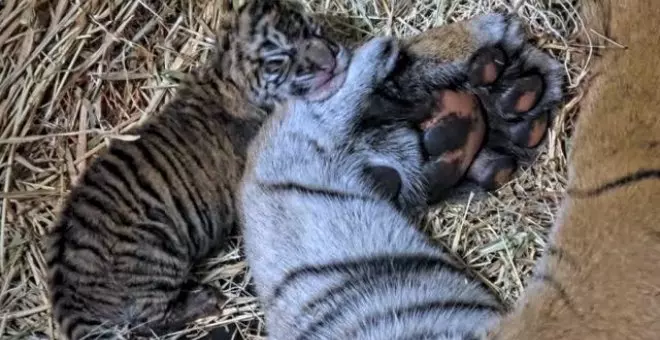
x,y
268,46
274,66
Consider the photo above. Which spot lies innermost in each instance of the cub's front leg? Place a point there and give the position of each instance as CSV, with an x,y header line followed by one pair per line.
x,y
445,69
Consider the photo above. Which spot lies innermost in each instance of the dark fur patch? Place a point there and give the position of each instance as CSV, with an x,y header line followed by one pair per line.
x,y
307,190
637,176
401,262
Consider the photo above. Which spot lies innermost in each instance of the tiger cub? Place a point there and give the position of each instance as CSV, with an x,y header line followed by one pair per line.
x,y
332,254
145,212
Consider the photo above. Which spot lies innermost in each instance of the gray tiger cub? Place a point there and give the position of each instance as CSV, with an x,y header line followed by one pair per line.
x,y
331,256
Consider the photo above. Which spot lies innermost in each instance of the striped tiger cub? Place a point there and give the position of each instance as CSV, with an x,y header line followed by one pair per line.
x,y
146,211
334,253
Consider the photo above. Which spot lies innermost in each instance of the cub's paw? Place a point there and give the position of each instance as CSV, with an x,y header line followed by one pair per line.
x,y
374,61
196,301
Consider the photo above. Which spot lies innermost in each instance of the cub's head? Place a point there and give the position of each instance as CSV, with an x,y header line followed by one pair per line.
x,y
274,51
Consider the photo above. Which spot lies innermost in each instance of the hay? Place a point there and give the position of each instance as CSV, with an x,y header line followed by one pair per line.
x,y
74,74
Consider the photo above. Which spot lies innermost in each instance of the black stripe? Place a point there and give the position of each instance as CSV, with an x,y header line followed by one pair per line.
x,y
218,119
98,181
110,171
153,262
159,215
69,274
550,280
357,290
303,189
181,174
101,297
161,239
104,204
129,161
94,225
141,281
397,313
82,324
180,209
73,267
77,244
159,287
104,209
199,165
625,180
396,262
344,291
199,108
182,142
422,308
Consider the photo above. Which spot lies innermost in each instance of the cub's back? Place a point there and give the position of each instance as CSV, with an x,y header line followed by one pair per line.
x,y
141,215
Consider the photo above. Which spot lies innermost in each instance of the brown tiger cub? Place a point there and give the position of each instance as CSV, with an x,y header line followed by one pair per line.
x,y
146,211
600,277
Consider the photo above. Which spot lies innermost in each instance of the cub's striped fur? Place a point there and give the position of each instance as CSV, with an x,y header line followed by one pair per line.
x,y
331,258
600,277
145,212
332,254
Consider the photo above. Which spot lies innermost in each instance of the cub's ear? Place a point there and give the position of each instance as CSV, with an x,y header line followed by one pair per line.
x,y
227,24
261,6
386,181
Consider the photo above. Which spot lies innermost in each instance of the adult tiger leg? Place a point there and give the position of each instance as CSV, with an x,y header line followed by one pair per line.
x,y
599,278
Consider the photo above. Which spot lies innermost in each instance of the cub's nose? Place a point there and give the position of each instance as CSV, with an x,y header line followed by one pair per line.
x,y
319,53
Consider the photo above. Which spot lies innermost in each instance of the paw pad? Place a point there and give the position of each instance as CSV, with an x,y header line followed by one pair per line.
x,y
491,170
523,94
486,66
452,136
